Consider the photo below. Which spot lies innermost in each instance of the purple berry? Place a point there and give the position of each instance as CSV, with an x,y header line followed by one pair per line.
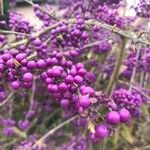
x,y
31,64
113,117
41,64
84,101
15,85
28,77
124,115
78,79
69,79
63,87
101,131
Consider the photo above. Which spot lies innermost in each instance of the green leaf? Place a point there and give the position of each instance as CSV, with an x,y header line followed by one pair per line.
x,y
145,110
126,133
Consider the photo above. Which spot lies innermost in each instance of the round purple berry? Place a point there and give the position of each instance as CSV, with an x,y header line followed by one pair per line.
x,y
84,101
28,77
113,117
15,85
124,115
101,131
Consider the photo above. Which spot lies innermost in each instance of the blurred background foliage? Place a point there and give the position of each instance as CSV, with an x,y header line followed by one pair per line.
x,y
131,137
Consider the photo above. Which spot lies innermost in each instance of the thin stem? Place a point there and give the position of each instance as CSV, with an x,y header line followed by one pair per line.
x,y
7,99
118,64
12,32
1,8
146,79
32,56
44,137
134,69
91,45
142,75
32,96
99,78
89,145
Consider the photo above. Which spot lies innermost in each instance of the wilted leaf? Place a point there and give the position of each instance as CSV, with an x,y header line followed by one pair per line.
x,y
91,126
89,56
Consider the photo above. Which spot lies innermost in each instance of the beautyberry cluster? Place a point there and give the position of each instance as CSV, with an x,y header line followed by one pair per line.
x,y
132,101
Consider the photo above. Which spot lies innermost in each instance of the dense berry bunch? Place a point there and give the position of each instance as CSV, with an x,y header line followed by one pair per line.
x,y
12,68
143,8
45,17
64,35
131,101
18,23
110,16
103,47
68,86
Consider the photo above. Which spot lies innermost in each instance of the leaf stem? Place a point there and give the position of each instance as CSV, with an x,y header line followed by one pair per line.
x,y
134,69
118,64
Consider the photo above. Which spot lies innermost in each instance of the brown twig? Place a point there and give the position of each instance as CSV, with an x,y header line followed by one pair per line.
x,y
1,8
44,137
12,32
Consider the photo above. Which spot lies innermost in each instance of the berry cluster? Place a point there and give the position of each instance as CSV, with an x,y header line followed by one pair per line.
x,y
70,36
12,67
110,16
43,16
18,23
65,71
131,101
67,83
143,9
